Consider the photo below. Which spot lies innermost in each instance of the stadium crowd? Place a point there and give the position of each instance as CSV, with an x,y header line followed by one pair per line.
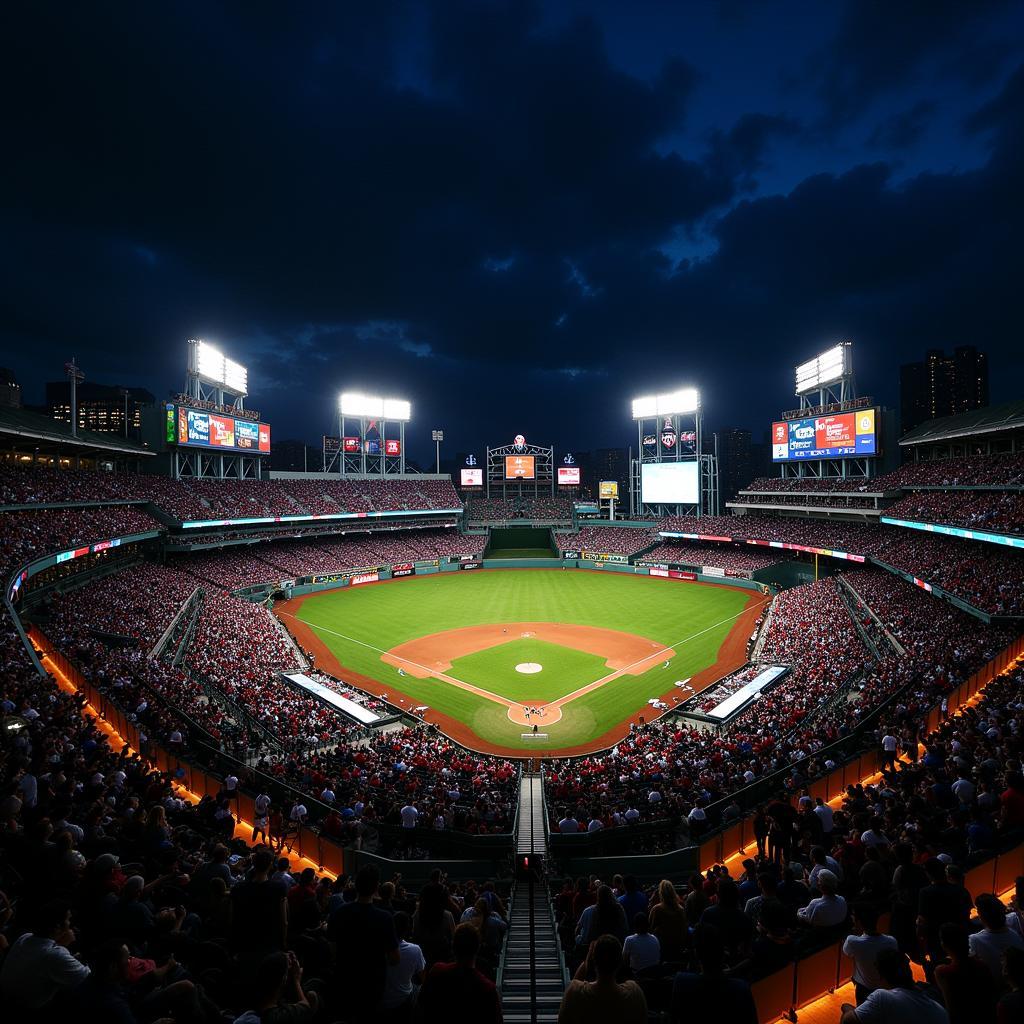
x,y
883,875
744,560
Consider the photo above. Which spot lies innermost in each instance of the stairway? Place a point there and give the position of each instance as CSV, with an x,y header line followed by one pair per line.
x,y
531,980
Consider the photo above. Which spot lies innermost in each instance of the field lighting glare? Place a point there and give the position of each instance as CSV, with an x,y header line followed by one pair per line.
x,y
370,407
825,369
674,403
215,367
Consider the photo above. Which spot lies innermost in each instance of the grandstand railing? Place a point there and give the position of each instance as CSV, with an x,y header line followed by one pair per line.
x,y
204,779
855,760
186,608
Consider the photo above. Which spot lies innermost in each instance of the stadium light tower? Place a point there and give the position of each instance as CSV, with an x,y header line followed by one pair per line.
x,y
370,449
671,476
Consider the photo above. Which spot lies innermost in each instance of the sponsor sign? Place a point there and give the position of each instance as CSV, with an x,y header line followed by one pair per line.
x,y
604,556
405,569
570,554
364,577
264,437
672,574
608,489
222,431
392,447
172,434
825,437
568,475
472,477
712,570
198,426
350,445
650,440
668,434
470,565
247,435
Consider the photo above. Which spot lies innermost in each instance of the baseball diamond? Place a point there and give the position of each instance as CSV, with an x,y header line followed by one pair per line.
x,y
600,647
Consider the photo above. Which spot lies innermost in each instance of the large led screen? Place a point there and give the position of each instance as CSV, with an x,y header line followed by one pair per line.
x,y
825,437
519,467
669,483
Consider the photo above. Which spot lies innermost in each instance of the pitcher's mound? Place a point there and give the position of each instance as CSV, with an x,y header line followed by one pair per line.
x,y
529,668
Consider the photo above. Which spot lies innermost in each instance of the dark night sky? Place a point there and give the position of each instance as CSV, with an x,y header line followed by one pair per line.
x,y
518,216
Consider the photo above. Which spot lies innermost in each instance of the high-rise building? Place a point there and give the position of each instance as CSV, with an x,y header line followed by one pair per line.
x,y
10,392
101,407
942,385
735,462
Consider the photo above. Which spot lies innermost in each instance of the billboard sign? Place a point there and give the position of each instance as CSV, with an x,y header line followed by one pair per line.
x,y
247,435
403,569
364,577
608,489
472,477
569,475
392,447
201,429
222,431
519,467
350,445
847,434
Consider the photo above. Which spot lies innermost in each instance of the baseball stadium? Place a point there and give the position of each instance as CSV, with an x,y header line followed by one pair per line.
x,y
524,688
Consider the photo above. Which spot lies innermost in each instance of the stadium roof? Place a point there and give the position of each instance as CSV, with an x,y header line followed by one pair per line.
x,y
990,420
25,429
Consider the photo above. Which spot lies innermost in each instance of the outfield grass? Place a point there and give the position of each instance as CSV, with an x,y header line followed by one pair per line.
x,y
360,623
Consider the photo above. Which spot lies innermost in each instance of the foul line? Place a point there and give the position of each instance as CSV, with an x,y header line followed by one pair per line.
x,y
432,673
561,701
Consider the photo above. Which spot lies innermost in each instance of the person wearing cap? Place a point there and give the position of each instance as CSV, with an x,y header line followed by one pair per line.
x,y
829,909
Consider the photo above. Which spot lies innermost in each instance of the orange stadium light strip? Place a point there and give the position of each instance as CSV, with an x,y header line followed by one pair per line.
x,y
243,828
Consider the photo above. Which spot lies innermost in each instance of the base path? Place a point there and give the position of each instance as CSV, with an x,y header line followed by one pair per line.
x,y
731,656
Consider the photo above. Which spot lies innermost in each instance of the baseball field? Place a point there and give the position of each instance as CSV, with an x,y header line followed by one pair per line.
x,y
493,653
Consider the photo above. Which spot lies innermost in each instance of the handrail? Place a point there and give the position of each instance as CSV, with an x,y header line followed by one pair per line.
x,y
169,631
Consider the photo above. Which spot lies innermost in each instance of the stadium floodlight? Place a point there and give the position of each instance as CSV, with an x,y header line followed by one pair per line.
x,y
370,407
396,409
825,369
686,400
214,367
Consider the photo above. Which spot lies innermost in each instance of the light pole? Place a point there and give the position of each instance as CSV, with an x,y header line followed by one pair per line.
x,y
437,436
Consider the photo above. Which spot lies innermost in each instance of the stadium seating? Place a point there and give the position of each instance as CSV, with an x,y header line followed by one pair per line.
x,y
720,556
613,540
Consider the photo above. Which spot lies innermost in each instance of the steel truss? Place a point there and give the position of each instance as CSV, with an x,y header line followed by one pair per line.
x,y
675,438
543,481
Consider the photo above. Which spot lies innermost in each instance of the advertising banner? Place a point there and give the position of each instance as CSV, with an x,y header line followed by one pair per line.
x,y
404,569
350,445
712,570
364,577
673,574
172,426
569,475
470,565
570,554
392,447
222,431
472,477
247,435
608,489
264,437
825,437
198,426
604,556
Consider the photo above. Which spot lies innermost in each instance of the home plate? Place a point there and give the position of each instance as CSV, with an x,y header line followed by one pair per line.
x,y
529,668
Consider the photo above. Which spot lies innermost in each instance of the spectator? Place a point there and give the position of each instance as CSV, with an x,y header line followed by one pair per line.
x,y
641,950
39,967
863,947
280,975
989,944
898,1000
404,977
365,944
829,909
668,923
711,994
964,982
457,993
604,1000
